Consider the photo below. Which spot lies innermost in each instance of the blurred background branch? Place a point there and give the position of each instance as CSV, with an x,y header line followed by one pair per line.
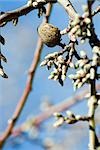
x,y
28,87
62,106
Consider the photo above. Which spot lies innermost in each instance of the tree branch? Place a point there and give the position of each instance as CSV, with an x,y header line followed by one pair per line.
x,y
28,87
92,102
60,107
68,7
24,10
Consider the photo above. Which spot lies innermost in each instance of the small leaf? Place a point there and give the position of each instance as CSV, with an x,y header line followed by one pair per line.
x,y
43,63
5,76
41,11
2,73
59,122
48,67
44,9
15,21
61,82
3,24
2,40
2,57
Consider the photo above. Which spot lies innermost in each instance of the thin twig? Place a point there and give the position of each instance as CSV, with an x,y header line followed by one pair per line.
x,y
28,88
96,11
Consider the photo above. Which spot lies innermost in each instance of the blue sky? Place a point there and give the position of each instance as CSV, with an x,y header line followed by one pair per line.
x,y
19,50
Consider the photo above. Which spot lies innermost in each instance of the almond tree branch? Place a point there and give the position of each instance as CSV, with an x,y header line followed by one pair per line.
x,y
28,87
68,7
24,10
92,101
60,107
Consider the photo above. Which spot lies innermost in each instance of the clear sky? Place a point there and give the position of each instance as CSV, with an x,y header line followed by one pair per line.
x,y
19,50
